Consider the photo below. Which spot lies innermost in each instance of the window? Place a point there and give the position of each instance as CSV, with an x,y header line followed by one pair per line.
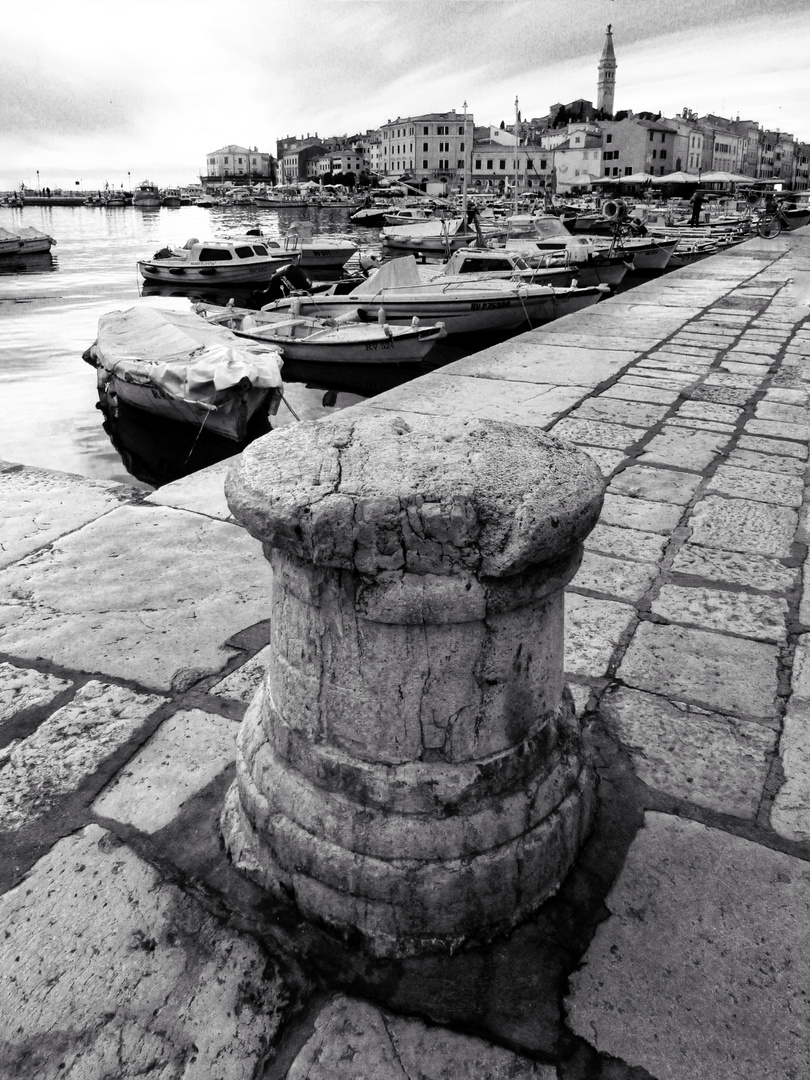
x,y
260,249
627,171
478,163
655,153
424,164
460,163
225,160
215,255
663,136
502,165
608,138
652,136
461,130
444,164
663,154
244,252
424,131
240,161
461,148
543,163
424,147
616,172
489,163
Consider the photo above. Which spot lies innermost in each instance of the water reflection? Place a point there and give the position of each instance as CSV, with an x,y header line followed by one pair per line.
x,y
35,262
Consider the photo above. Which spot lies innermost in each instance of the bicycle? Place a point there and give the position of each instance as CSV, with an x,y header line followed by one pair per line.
x,y
773,220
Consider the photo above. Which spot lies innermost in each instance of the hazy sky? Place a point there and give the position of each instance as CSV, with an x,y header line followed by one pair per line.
x,y
94,90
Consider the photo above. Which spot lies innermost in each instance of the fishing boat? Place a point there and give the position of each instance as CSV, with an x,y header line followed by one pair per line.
x,y
406,215
299,245
349,339
146,195
215,263
178,366
464,306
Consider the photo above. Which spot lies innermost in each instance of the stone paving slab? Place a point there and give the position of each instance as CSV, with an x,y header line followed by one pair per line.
x,y
112,972
23,688
353,1040
37,506
701,971
67,749
145,593
186,753
709,760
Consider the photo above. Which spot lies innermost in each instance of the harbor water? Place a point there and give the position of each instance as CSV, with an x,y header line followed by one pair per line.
x,y
49,315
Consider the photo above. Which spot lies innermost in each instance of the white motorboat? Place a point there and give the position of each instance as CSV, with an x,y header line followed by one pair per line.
x,y
442,235
464,306
215,262
178,366
406,215
299,245
349,339
500,263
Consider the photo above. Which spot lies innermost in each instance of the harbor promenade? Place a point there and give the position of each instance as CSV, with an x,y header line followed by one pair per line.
x,y
134,629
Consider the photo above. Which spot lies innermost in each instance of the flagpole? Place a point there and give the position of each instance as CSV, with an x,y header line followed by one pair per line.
x,y
464,174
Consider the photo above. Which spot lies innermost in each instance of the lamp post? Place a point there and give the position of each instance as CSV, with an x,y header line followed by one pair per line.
x,y
39,189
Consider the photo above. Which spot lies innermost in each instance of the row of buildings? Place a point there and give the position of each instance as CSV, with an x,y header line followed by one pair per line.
x,y
572,146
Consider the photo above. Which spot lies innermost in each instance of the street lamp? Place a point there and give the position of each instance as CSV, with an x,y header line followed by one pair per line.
x,y
39,189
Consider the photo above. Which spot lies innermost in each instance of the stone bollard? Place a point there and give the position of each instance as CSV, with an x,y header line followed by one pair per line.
x,y
411,767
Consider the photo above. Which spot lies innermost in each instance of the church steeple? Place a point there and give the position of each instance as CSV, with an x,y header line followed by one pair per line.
x,y
606,85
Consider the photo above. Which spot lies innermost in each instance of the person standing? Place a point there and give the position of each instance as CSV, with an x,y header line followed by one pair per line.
x,y
697,203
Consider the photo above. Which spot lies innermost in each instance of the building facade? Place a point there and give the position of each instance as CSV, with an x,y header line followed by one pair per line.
x,y
238,165
431,149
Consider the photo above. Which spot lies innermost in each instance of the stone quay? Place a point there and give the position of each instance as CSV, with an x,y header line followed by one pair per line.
x,y
166,675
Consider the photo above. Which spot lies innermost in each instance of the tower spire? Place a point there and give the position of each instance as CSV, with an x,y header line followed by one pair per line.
x,y
606,84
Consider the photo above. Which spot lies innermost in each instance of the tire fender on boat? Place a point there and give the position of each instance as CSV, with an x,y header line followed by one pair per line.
x,y
614,210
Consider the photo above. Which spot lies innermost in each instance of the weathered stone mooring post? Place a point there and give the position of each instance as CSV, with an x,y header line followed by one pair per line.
x,y
411,767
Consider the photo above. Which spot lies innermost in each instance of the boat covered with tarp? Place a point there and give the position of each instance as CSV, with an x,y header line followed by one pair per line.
x,y
176,365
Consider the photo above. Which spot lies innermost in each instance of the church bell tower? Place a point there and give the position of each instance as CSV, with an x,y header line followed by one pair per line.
x,y
606,85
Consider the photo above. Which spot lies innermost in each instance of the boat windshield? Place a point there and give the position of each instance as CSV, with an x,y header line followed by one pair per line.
x,y
244,252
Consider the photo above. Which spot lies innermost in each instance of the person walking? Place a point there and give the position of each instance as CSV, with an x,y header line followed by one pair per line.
x,y
697,203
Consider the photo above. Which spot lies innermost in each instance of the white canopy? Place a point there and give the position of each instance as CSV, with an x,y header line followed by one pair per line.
x,y
678,178
637,178
724,178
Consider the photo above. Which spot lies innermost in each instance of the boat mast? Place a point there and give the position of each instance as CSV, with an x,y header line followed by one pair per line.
x,y
464,174
517,144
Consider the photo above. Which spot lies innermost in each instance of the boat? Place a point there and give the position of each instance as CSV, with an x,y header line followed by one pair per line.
x,y
299,244
171,197
442,235
351,339
373,216
405,215
464,306
500,263
24,241
178,366
146,195
214,263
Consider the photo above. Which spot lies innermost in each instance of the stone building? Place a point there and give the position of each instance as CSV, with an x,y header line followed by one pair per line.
x,y
238,165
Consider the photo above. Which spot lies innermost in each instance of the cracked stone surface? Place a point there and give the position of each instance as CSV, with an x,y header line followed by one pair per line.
x,y
67,749
138,608
114,973
701,971
353,1039
720,762
242,684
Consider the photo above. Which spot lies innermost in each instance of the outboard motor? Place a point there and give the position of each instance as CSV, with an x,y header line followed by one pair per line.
x,y
287,280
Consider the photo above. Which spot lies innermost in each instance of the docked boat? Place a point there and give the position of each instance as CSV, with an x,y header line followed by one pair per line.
x,y
178,366
373,216
300,245
464,306
24,241
500,263
171,197
146,195
438,235
214,263
351,339
406,215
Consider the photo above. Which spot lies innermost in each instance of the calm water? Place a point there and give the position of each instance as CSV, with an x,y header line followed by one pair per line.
x,y
49,316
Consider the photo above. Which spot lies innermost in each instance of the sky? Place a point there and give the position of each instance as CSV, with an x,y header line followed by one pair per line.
x,y
118,91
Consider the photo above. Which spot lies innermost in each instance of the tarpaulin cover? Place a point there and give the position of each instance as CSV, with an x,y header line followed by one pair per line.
x,y
181,353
